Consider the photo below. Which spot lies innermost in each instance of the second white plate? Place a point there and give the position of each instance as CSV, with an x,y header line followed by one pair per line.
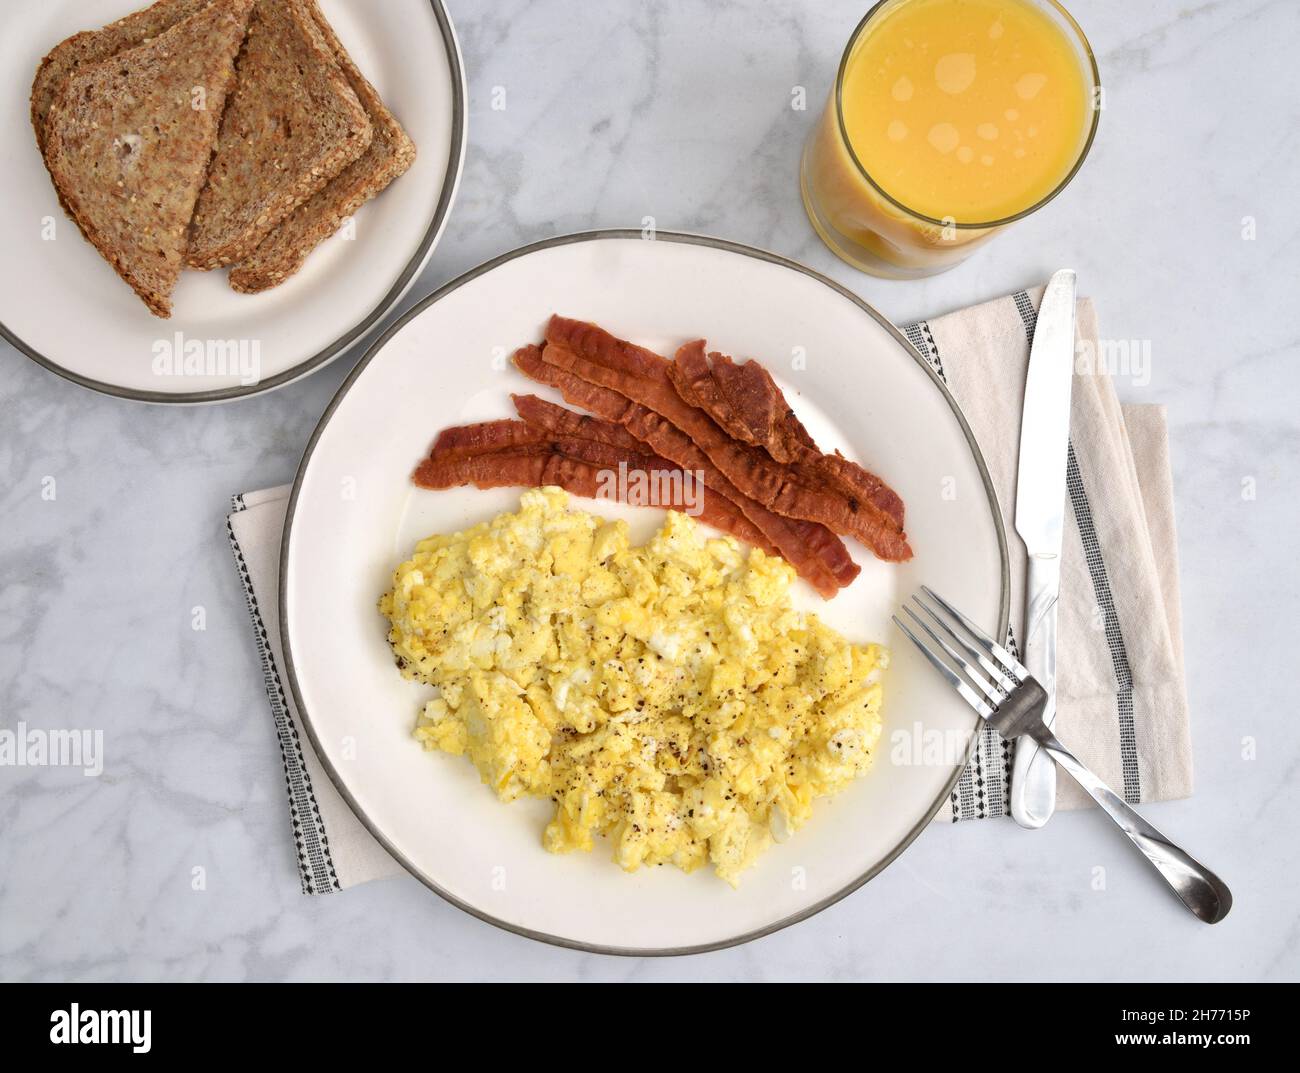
x,y
63,306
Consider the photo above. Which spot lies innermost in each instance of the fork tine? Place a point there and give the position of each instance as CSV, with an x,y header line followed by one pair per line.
x,y
956,657
985,641
1006,683
968,695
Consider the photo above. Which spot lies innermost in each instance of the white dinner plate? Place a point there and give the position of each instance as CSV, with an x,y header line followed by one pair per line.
x,y
354,515
65,307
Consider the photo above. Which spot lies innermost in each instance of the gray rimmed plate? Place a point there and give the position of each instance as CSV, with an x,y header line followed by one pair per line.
x,y
64,307
858,386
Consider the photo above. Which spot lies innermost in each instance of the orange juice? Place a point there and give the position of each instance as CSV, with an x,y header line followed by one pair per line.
x,y
949,119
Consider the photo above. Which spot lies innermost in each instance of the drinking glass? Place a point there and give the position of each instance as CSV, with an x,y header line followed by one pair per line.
x,y
876,231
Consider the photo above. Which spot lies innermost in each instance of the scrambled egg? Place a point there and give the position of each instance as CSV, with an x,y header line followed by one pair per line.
x,y
667,696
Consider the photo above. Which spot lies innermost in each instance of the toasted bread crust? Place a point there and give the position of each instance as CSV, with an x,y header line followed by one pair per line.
x,y
128,152
391,153
292,125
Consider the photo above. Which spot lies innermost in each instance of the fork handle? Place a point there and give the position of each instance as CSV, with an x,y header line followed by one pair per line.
x,y
1204,893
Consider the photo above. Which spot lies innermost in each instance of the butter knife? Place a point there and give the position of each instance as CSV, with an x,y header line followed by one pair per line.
x,y
1040,517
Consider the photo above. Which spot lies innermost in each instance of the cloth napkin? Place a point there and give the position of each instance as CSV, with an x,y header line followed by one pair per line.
x,y
1121,699
1121,696
334,850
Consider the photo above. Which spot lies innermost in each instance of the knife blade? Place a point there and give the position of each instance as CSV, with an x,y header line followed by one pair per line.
x,y
1040,518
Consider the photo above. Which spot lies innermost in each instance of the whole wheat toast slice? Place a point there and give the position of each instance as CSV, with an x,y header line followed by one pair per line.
x,y
292,124
390,154
128,140
89,46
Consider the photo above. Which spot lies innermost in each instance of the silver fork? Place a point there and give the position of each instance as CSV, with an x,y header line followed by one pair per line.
x,y
1012,703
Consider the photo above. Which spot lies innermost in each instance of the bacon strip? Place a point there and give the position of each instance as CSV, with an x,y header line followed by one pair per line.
x,y
751,407
508,454
594,355
748,403
551,418
510,467
545,425
557,421
813,550
484,437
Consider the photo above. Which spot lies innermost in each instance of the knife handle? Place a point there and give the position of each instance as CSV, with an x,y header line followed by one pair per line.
x,y
1033,776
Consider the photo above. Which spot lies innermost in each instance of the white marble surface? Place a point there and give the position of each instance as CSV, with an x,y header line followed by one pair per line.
x,y
681,111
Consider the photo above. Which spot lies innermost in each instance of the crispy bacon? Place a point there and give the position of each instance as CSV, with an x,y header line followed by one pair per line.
x,y
746,401
813,550
594,355
760,414
483,437
769,483
508,454
551,418
556,420
511,467
859,481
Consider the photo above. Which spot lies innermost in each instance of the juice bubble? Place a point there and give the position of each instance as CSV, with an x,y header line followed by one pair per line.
x,y
944,137
955,72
